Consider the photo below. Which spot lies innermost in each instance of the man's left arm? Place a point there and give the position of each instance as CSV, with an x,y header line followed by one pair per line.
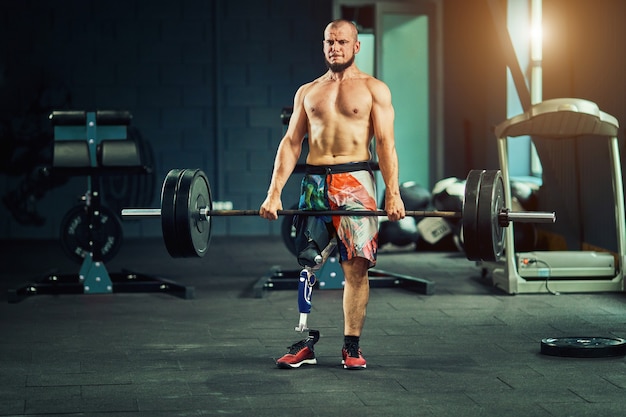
x,y
382,119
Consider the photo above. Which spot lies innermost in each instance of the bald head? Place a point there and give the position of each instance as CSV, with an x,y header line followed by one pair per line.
x,y
344,26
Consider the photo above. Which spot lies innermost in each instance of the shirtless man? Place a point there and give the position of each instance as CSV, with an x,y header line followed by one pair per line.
x,y
341,111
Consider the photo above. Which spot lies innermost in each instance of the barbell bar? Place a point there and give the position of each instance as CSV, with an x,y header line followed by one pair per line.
x,y
186,214
204,213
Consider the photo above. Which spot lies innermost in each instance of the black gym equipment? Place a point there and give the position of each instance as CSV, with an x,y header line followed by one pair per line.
x,y
447,194
94,144
77,230
400,233
414,196
404,232
583,347
186,214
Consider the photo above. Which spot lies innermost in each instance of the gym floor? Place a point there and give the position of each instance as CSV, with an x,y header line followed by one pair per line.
x,y
466,350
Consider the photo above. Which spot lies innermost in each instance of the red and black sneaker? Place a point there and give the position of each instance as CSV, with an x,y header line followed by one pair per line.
x,y
300,353
352,357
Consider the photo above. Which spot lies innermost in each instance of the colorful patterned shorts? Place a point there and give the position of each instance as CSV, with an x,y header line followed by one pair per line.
x,y
344,187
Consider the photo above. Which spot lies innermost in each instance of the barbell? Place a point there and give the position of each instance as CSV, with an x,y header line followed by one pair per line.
x,y
186,214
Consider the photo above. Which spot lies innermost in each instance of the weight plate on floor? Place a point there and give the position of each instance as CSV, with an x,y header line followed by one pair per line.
x,y
490,202
168,212
193,229
76,234
584,347
471,234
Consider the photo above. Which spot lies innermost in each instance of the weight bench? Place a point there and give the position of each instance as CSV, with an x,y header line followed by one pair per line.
x,y
94,144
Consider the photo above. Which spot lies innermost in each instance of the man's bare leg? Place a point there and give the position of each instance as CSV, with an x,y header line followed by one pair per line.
x,y
355,295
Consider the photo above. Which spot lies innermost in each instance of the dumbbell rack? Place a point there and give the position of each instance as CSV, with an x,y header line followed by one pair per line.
x,y
555,119
93,144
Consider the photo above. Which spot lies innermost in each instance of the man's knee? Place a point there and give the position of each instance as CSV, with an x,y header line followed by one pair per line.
x,y
355,269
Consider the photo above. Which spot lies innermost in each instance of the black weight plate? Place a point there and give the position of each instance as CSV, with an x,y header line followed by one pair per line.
x,y
183,242
490,202
471,234
200,225
76,234
194,231
168,212
583,347
497,232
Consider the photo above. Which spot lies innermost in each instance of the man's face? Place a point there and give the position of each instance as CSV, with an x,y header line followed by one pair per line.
x,y
340,48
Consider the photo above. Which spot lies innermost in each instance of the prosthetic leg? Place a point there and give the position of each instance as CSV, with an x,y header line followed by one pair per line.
x,y
307,281
303,352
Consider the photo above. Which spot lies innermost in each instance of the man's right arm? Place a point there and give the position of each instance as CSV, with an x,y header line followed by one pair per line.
x,y
287,156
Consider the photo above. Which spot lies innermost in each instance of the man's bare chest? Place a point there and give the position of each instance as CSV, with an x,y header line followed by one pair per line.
x,y
334,99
